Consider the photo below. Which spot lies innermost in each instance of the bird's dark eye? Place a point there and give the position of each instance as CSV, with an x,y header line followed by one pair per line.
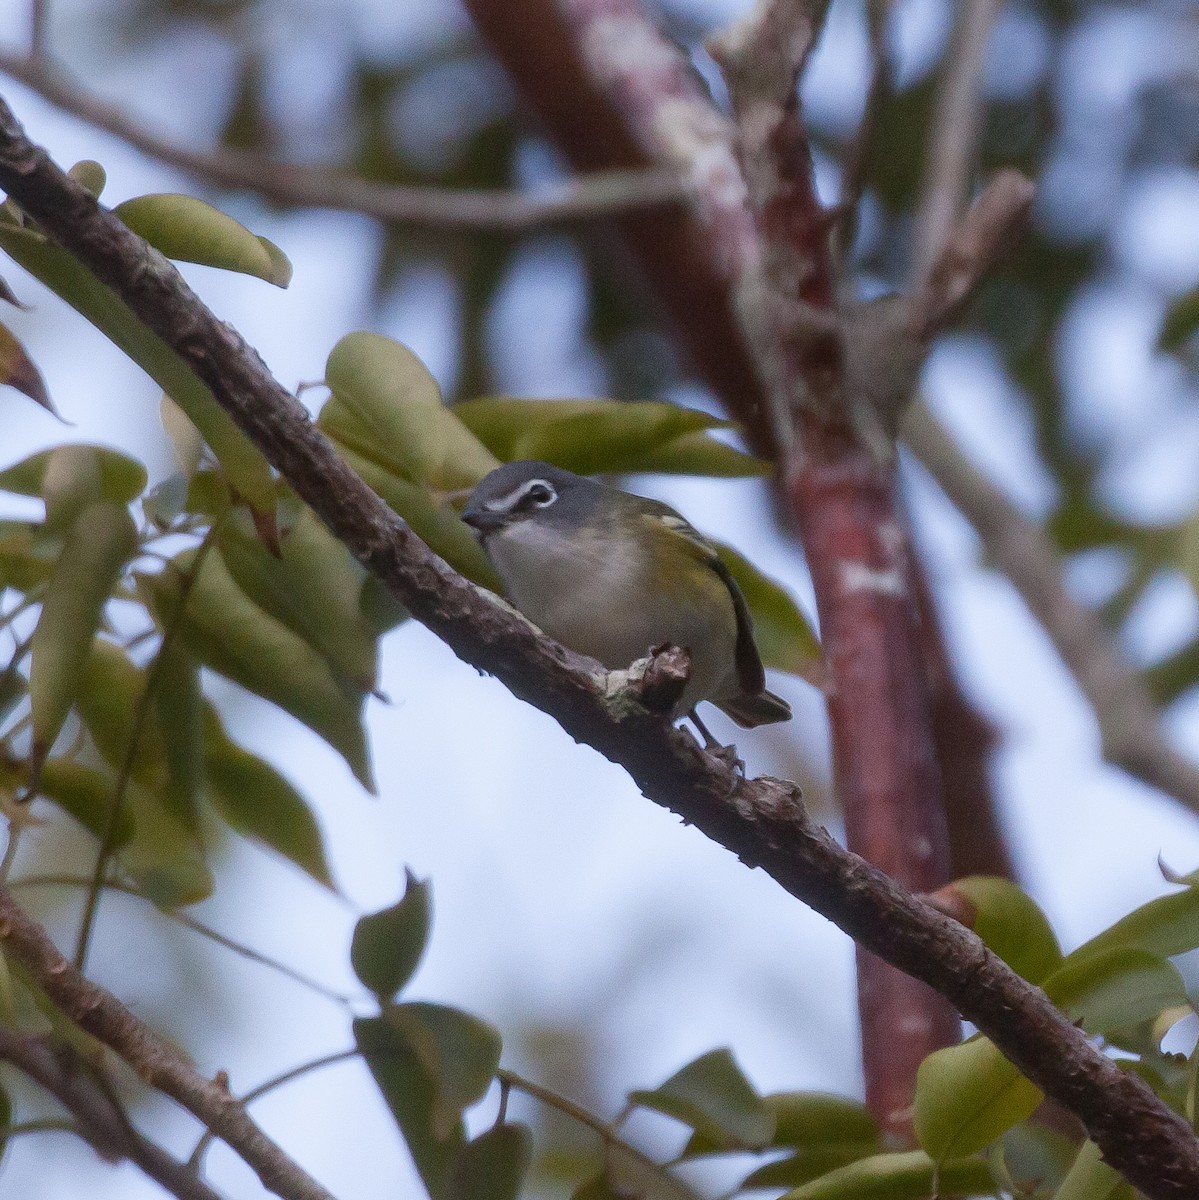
x,y
538,494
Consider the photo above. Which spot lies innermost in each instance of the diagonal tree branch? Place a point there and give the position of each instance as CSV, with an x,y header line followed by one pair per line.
x,y
157,1063
950,258
100,1119
600,195
1129,724
761,820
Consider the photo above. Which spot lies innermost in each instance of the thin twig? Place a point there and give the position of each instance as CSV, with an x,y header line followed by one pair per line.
x,y
39,12
100,1121
954,137
970,251
137,725
607,1132
862,149
587,198
276,1081
189,922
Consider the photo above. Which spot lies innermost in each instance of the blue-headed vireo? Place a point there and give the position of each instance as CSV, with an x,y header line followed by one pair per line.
x,y
612,575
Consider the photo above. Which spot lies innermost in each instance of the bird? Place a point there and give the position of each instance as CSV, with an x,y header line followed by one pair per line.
x,y
612,575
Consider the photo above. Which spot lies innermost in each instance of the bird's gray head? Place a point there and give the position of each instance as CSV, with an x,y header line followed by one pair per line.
x,y
519,491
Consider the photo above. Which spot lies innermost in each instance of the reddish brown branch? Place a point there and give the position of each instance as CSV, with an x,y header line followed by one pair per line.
x,y
762,820
100,1119
840,480
156,1062
606,193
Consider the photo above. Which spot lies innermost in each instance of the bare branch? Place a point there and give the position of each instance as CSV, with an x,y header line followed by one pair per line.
x,y
157,1062
38,19
954,137
99,1118
760,820
1129,724
948,265
602,195
971,250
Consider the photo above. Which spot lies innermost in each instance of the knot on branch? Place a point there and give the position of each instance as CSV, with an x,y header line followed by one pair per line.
x,y
655,683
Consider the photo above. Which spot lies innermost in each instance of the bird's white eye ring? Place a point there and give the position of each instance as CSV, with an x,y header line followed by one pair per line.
x,y
538,494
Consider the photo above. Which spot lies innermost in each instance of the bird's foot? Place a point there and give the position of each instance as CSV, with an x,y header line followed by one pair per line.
x,y
727,754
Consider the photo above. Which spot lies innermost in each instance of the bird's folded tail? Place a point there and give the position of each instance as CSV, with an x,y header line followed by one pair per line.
x,y
760,708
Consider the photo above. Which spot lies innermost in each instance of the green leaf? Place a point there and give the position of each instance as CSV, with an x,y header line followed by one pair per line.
x,y
1116,989
86,793
825,1131
258,803
1034,1159
1180,322
109,695
632,1175
829,1129
248,471
785,639
459,1051
179,713
387,408
90,175
599,1188
713,1097
701,454
807,1164
1011,925
17,369
493,1166
312,586
189,230
409,1089
906,1176
596,436
164,856
1166,926
13,689
27,557
1090,1178
119,477
966,1096
100,542
388,945
818,1118
225,630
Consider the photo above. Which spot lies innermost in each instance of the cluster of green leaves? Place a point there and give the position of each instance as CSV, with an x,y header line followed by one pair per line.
x,y
972,1107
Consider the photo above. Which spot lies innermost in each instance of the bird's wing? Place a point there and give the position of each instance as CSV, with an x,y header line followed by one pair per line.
x,y
750,673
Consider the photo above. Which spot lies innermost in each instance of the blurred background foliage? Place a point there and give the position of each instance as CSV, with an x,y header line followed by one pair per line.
x,y
1073,378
